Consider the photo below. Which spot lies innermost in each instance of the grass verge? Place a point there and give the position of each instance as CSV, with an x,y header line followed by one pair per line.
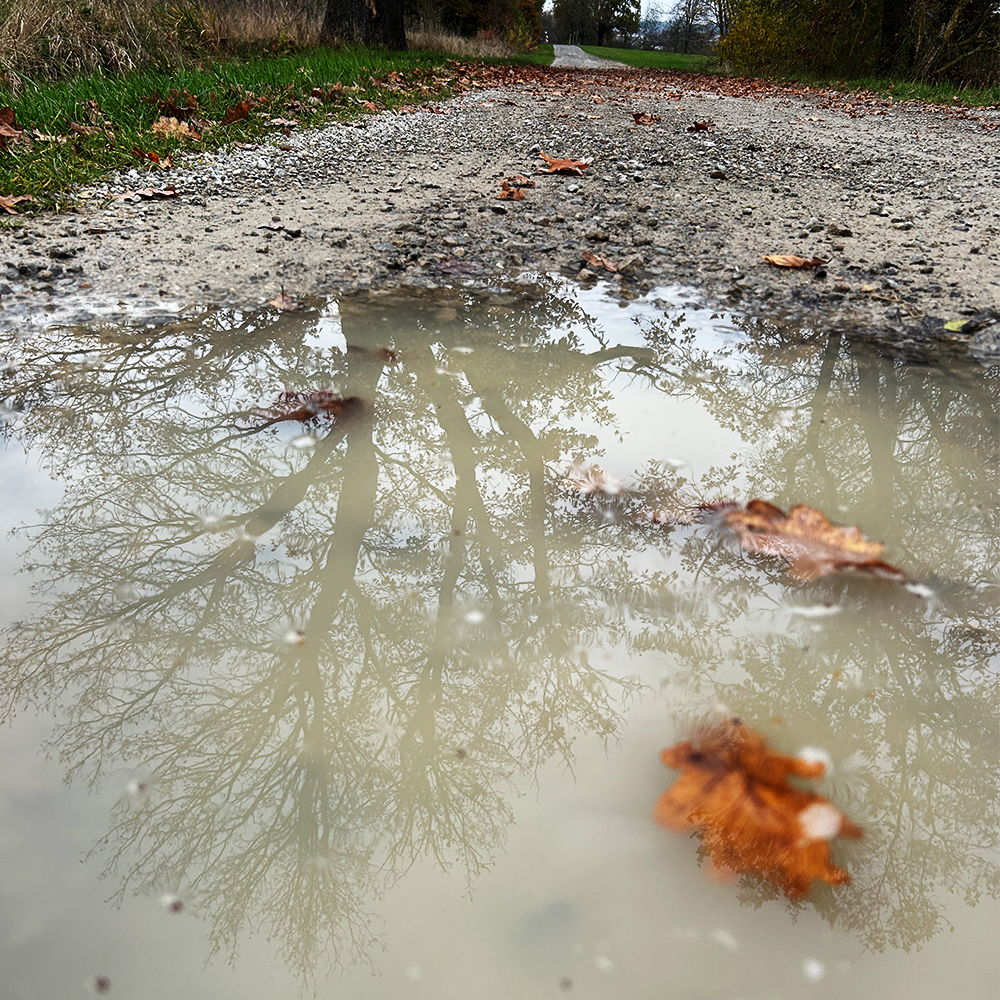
x,y
908,90
643,59
74,132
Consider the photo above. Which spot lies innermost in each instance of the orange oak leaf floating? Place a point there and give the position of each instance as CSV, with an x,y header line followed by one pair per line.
x,y
805,536
790,260
556,166
734,790
306,407
284,303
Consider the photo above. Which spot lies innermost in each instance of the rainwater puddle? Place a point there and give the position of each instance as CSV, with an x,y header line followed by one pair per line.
x,y
372,707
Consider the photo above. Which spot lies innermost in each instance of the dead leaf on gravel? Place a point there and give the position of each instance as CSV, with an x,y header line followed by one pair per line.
x,y
174,128
520,181
813,545
790,260
164,163
7,202
706,126
734,790
508,193
147,194
645,118
237,112
557,166
599,262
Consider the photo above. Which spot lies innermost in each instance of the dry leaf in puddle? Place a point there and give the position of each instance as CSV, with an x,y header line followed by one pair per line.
x,y
790,260
284,303
592,479
734,790
557,166
809,541
305,407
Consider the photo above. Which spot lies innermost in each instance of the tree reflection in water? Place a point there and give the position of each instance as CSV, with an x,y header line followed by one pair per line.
x,y
339,654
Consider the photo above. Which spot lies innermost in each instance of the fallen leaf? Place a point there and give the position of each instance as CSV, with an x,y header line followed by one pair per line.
x,y
164,164
520,181
790,260
814,546
556,166
175,128
645,118
701,126
592,479
508,193
306,407
90,130
734,790
237,112
9,130
8,202
147,194
285,303
176,105
599,262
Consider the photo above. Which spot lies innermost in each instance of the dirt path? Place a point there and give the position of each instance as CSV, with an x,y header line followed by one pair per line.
x,y
573,57
903,202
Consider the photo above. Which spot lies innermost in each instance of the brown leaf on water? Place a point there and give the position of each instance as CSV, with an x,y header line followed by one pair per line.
x,y
706,126
7,202
813,545
596,260
790,260
557,166
645,118
285,303
592,479
306,407
237,112
734,790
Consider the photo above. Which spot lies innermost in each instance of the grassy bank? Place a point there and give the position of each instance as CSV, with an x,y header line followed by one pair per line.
x,y
73,132
643,59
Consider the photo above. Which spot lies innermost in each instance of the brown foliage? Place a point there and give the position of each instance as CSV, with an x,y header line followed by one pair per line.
x,y
557,166
805,536
734,790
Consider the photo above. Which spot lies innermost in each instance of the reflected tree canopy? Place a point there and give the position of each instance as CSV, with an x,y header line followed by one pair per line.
x,y
338,649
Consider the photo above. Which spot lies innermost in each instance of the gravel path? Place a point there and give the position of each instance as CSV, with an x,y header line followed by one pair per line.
x,y
903,203
573,57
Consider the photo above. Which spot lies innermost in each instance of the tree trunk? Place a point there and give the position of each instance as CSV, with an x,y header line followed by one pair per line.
x,y
367,22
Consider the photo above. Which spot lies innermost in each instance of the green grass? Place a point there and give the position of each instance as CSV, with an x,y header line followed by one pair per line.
x,y
542,56
644,59
907,90
281,87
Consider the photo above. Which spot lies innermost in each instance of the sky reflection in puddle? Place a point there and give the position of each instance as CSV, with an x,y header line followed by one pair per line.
x,y
393,700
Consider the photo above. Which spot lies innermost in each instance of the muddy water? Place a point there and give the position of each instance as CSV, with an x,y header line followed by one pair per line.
x,y
372,707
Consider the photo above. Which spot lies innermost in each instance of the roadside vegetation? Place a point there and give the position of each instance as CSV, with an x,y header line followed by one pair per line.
x,y
91,86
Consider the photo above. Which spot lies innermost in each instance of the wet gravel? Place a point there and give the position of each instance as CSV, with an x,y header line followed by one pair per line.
x,y
901,202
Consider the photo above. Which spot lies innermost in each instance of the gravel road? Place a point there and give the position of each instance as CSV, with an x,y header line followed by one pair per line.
x,y
573,57
901,201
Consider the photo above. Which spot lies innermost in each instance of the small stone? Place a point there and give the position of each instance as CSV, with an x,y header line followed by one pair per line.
x,y
718,175
836,229
498,209
263,249
628,267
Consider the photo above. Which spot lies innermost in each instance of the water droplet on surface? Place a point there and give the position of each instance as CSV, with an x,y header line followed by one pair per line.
x,y
814,970
604,964
414,973
475,617
171,903
98,984
303,442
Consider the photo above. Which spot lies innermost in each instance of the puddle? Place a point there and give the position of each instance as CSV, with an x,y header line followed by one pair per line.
x,y
373,707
